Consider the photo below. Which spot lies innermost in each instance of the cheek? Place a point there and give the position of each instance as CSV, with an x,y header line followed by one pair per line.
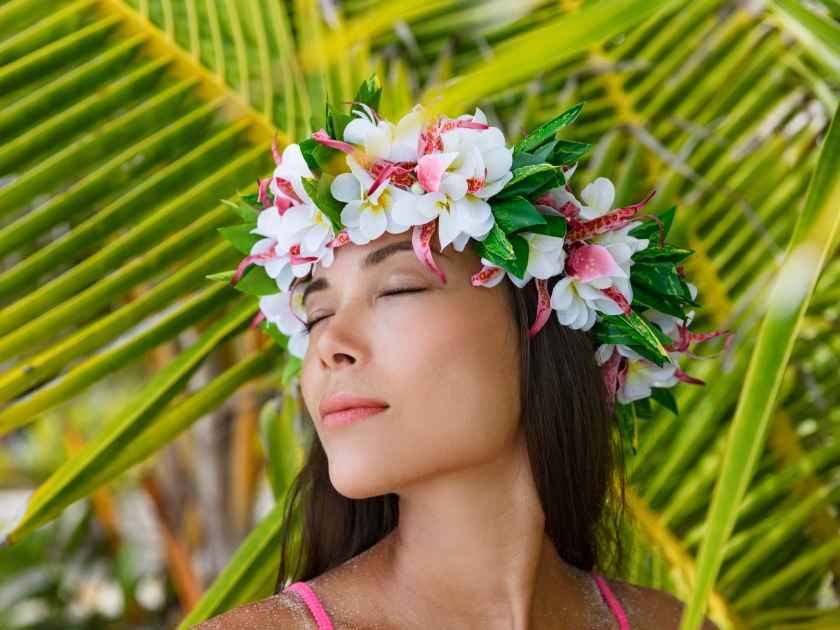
x,y
455,373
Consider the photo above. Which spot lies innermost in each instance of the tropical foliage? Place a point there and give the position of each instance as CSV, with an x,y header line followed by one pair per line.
x,y
125,124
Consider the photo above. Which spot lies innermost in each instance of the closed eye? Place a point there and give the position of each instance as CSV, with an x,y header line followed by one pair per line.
x,y
403,290
309,325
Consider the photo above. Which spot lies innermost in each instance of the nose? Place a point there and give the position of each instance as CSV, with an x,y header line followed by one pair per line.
x,y
342,338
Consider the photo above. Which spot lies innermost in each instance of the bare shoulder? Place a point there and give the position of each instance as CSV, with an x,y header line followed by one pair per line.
x,y
282,610
652,608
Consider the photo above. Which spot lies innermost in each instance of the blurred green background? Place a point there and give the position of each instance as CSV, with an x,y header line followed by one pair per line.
x,y
146,434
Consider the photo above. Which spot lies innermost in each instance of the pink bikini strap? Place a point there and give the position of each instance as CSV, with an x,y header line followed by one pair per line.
x,y
313,603
612,602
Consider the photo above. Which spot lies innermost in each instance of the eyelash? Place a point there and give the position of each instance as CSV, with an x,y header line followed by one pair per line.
x,y
307,328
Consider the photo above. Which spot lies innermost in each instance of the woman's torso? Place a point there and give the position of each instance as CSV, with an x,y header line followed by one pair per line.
x,y
305,592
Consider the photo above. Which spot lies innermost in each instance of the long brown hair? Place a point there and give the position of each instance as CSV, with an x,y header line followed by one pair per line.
x,y
573,445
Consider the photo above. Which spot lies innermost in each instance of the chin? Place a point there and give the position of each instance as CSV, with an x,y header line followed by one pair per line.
x,y
356,478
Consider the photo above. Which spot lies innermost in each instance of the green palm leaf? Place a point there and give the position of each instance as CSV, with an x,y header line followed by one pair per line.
x,y
123,124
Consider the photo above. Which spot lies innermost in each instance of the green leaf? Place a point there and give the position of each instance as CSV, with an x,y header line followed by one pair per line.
x,y
222,275
272,331
308,149
532,180
510,252
546,131
282,449
326,203
669,253
243,211
645,298
245,575
661,278
179,417
568,152
496,245
643,408
814,239
70,482
290,369
628,425
650,229
555,225
240,236
336,122
519,263
255,281
665,397
369,92
516,214
634,331
557,152
253,200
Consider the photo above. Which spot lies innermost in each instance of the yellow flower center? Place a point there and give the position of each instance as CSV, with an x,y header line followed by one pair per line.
x,y
444,205
381,203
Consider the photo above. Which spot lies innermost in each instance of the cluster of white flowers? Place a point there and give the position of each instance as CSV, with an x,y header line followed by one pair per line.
x,y
443,173
454,167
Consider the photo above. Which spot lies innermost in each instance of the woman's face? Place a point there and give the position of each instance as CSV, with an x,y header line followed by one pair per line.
x,y
445,359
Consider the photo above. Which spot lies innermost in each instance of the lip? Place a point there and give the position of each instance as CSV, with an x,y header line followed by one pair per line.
x,y
343,409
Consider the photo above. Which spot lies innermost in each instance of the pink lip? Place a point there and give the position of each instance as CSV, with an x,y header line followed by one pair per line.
x,y
341,408
349,416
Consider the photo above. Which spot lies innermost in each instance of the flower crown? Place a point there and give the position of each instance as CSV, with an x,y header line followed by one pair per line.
x,y
363,175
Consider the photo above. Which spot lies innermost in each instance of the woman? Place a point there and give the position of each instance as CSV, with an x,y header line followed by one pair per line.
x,y
474,487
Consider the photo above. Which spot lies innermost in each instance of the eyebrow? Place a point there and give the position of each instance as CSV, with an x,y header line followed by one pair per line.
x,y
373,258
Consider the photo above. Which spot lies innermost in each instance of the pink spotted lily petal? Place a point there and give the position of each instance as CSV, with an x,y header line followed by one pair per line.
x,y
321,137
282,204
486,276
588,262
248,260
275,151
257,319
421,237
613,220
287,189
342,238
296,259
685,378
614,370
618,297
687,337
262,196
384,174
543,307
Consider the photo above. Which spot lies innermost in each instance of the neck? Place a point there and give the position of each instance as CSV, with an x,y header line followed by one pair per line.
x,y
471,546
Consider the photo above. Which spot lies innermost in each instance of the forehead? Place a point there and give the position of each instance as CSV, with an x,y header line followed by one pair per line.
x,y
359,256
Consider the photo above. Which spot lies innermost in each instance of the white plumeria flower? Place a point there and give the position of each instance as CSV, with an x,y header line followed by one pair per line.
x,y
291,240
576,302
307,226
460,215
287,176
669,323
577,296
473,166
367,217
383,140
641,374
598,197
546,257
279,312
481,156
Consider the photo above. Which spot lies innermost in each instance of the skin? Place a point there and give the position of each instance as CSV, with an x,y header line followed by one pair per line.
x,y
470,550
